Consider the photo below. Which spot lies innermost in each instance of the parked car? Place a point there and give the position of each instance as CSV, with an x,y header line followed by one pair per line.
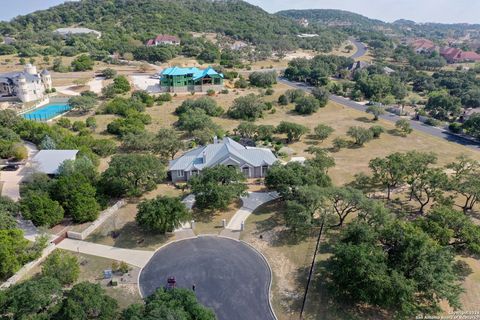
x,y
10,167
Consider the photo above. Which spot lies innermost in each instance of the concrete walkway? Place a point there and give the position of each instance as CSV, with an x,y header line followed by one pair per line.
x,y
250,203
96,85
137,258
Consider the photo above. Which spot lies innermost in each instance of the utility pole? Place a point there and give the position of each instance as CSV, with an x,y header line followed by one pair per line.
x,y
311,269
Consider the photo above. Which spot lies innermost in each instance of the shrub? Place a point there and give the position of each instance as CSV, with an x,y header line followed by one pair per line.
x,y
109,73
82,63
165,97
241,83
163,214
377,131
294,94
210,92
322,95
263,79
64,122
19,152
293,131
40,209
339,143
283,100
403,127
91,123
306,105
248,107
207,104
78,126
322,132
121,84
62,266
455,127
269,92
360,135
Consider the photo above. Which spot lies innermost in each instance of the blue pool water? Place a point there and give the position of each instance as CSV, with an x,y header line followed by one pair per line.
x,y
47,112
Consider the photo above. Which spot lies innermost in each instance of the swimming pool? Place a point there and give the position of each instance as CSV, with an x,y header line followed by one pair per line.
x,y
47,112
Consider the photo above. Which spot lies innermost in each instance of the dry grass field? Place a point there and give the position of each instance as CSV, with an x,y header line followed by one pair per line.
x,y
289,260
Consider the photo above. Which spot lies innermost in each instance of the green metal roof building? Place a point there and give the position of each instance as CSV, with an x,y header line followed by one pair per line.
x,y
176,79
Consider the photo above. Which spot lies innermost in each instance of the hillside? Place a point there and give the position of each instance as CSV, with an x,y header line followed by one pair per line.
x,y
331,17
142,19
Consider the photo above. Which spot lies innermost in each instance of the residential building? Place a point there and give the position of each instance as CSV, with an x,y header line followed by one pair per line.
x,y
177,79
163,39
27,85
423,46
455,55
253,162
65,32
238,45
49,161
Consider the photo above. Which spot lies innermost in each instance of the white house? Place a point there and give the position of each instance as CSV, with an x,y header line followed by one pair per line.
x,y
27,85
65,32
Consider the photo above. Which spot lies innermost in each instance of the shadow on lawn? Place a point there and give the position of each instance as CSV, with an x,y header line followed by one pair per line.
x,y
131,236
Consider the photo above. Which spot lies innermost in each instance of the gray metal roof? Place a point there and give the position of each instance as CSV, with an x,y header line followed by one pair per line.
x,y
49,161
214,154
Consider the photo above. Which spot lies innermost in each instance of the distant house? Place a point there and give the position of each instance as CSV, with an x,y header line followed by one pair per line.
x,y
423,46
163,39
238,45
8,40
27,85
361,65
253,162
65,32
49,161
455,55
176,79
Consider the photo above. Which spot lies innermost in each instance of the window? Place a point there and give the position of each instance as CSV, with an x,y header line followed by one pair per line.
x,y
264,170
194,172
246,171
180,173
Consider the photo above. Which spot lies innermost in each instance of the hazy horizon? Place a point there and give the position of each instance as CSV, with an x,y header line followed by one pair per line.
x,y
443,11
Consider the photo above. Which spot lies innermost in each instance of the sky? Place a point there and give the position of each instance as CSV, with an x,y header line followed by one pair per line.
x,y
446,11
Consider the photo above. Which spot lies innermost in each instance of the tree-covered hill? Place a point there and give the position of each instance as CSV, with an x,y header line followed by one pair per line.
x,y
331,17
142,19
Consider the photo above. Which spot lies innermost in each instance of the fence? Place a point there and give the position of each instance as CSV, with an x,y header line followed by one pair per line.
x,y
101,219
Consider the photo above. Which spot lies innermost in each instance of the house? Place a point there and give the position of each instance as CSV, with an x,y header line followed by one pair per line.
x,y
253,162
176,79
27,85
361,65
238,45
49,161
455,55
65,32
163,39
423,46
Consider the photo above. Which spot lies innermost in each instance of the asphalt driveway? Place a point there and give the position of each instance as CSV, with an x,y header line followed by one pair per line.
x,y
229,276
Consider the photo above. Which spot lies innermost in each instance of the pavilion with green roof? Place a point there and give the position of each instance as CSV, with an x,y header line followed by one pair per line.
x,y
177,79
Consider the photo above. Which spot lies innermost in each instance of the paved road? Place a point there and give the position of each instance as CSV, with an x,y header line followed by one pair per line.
x,y
416,125
229,276
361,50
